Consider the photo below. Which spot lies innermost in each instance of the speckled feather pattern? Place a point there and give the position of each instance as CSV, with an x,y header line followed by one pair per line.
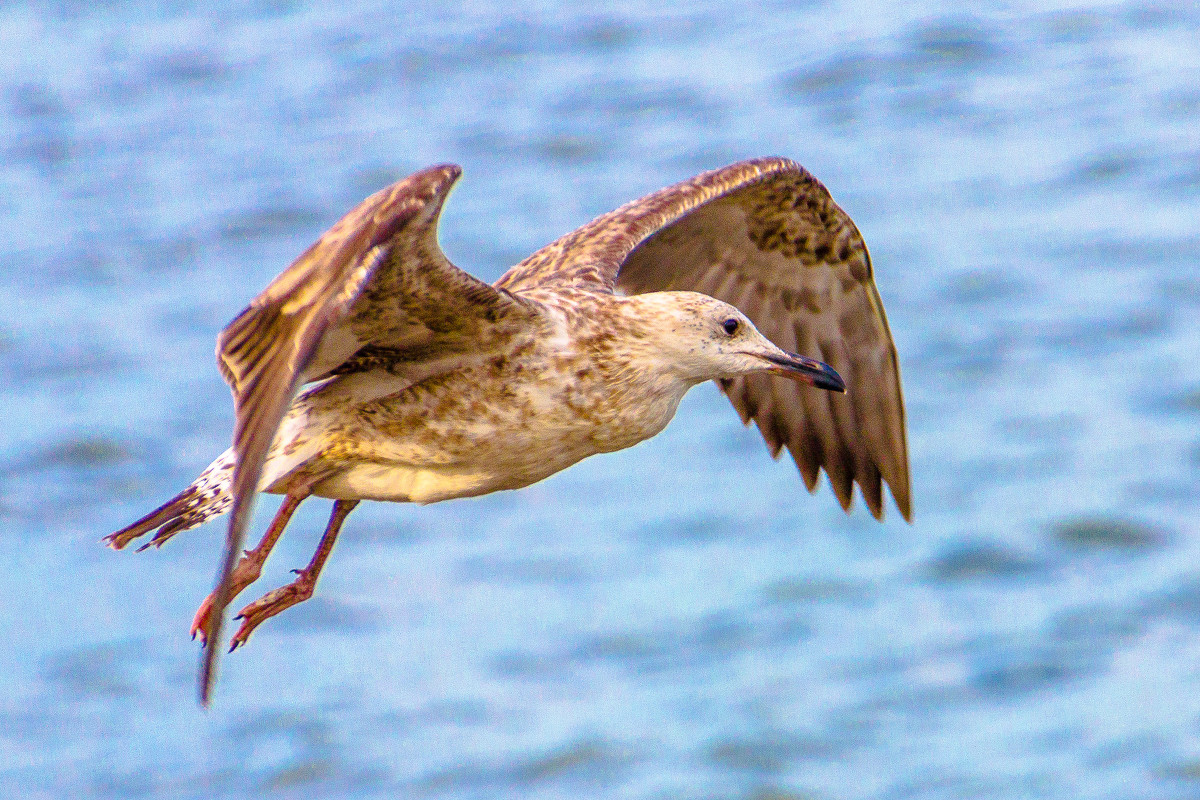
x,y
428,384
767,237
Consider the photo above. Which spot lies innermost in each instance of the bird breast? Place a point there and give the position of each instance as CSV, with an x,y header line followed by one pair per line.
x,y
500,423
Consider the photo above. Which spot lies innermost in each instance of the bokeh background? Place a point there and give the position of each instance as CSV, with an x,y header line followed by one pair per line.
x,y
676,621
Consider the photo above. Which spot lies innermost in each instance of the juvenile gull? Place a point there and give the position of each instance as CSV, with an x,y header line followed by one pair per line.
x,y
428,384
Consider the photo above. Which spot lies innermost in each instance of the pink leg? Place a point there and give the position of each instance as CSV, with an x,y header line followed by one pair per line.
x,y
250,565
298,590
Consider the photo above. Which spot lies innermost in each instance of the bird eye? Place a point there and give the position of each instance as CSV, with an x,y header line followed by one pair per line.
x,y
731,325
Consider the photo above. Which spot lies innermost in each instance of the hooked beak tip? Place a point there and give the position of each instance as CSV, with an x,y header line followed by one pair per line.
x,y
811,371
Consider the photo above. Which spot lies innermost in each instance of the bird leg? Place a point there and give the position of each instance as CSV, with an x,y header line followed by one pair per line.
x,y
249,566
298,590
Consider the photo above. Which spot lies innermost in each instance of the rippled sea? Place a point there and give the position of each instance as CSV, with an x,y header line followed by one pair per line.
x,y
681,620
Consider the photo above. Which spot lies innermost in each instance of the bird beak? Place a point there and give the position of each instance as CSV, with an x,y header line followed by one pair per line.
x,y
808,370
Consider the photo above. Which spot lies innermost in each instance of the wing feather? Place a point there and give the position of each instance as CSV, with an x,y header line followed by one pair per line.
x,y
376,281
766,236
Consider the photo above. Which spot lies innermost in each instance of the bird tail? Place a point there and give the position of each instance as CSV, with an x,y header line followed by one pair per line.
x,y
209,496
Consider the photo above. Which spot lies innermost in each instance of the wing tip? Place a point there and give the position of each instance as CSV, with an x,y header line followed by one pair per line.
x,y
903,503
875,504
900,485
842,485
878,511
901,497
243,506
206,681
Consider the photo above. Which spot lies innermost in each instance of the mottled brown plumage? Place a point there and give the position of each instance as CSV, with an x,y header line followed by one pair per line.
x,y
428,384
765,236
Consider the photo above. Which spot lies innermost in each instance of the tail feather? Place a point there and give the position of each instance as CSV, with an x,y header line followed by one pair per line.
x,y
207,497
174,526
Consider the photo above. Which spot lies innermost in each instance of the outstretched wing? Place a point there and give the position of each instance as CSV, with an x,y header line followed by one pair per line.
x,y
376,285
765,236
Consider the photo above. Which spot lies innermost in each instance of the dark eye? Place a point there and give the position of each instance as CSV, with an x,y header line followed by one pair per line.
x,y
731,325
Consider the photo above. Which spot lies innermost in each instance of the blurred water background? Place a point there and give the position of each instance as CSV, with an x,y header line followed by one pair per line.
x,y
676,621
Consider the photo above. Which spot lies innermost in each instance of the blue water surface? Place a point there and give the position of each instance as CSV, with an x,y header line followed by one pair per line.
x,y
680,620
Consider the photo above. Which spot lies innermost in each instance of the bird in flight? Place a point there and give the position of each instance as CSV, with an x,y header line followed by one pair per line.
x,y
373,368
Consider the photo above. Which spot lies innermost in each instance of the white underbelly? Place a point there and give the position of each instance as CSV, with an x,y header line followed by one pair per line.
x,y
399,483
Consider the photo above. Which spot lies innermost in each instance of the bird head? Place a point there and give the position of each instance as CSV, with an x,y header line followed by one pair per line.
x,y
702,338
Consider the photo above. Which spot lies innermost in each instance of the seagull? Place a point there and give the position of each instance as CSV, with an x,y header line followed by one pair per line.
x,y
373,368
